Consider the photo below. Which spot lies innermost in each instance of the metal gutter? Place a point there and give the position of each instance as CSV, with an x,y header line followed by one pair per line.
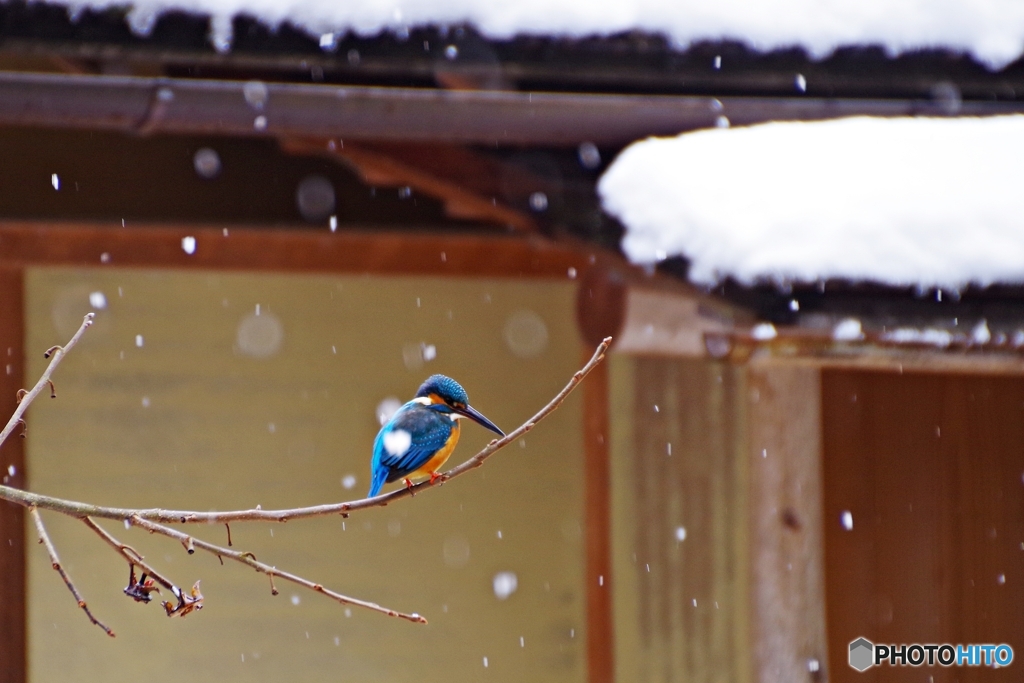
x,y
192,106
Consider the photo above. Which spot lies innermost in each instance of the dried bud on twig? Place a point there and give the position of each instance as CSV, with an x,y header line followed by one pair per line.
x,y
186,603
140,590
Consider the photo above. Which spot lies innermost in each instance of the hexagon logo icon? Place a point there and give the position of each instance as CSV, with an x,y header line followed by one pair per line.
x,y
862,654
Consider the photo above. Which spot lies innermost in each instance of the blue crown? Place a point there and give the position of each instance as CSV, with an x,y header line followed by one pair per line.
x,y
445,387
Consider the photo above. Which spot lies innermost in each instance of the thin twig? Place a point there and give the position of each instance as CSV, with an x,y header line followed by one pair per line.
x,y
491,448
150,519
58,353
78,509
130,554
250,560
44,538
139,590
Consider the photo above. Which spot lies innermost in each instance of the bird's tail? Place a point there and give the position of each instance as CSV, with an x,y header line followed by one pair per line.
x,y
377,481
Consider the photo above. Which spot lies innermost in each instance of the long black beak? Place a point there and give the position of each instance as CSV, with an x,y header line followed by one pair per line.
x,y
475,415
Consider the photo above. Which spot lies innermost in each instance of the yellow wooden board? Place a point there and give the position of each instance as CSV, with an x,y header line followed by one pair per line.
x,y
227,390
679,520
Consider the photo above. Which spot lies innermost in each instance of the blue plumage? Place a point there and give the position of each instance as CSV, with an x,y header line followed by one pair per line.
x,y
421,435
428,431
448,389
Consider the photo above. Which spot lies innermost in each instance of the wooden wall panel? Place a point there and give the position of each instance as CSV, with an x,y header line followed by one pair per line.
x,y
105,249
679,523
190,420
929,466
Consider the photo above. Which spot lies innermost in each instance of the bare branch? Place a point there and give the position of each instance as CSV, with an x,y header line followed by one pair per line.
x,y
77,509
24,400
131,555
44,538
249,559
491,448
155,520
139,590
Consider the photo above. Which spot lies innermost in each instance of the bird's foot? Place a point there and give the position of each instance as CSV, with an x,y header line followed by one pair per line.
x,y
408,485
434,476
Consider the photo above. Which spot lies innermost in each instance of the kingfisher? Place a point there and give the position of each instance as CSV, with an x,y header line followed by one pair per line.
x,y
421,435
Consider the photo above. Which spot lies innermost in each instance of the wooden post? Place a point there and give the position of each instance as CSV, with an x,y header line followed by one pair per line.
x,y
785,507
12,469
597,506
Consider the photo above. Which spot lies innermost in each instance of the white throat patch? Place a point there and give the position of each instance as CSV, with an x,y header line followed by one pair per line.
x,y
397,442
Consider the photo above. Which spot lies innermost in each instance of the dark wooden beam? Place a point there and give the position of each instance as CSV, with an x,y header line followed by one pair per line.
x,y
300,250
12,459
488,176
168,105
427,169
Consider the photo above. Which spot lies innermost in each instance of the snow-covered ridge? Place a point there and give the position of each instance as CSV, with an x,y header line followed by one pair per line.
x,y
993,30
904,201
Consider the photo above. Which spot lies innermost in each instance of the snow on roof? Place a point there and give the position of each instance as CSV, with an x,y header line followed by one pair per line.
x,y
993,30
902,201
